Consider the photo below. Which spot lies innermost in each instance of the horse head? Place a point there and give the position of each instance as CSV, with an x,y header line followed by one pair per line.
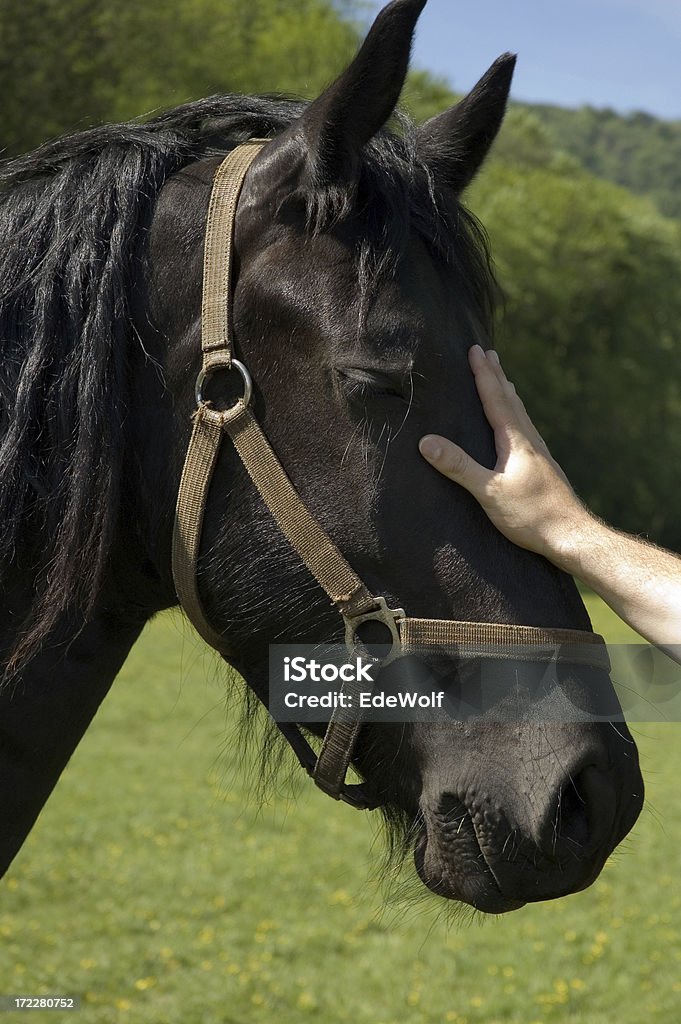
x,y
362,282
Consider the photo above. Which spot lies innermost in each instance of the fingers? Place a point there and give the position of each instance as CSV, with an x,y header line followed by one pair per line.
x,y
502,405
497,394
513,429
454,463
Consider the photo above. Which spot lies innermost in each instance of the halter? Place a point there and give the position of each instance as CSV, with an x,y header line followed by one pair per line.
x,y
354,602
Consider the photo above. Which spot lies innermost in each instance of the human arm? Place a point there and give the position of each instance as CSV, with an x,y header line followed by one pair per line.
x,y
529,499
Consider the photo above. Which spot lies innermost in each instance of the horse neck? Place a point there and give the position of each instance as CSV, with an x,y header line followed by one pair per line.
x,y
43,715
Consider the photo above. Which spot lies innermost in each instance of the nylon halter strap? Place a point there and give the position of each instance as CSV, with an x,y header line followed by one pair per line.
x,y
354,602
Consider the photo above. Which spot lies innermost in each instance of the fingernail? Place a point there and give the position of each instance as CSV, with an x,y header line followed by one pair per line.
x,y
493,356
430,448
478,349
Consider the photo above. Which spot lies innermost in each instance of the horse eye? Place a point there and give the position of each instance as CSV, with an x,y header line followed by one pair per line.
x,y
366,392
361,388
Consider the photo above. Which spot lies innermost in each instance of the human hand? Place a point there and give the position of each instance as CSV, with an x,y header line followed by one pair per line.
x,y
527,496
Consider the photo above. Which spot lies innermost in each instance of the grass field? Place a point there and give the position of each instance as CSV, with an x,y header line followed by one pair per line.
x,y
156,887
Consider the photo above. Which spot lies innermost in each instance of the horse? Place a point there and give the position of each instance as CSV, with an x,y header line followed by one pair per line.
x,y
360,281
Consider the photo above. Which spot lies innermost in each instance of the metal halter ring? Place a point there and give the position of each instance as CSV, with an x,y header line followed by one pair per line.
x,y
389,617
208,371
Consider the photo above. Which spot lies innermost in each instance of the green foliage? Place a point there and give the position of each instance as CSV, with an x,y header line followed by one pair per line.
x,y
155,889
64,65
592,279
635,150
425,95
524,142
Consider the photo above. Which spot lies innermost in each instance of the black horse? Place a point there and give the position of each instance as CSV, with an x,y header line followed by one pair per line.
x,y
362,281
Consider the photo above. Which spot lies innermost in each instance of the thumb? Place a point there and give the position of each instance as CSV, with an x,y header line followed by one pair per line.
x,y
454,463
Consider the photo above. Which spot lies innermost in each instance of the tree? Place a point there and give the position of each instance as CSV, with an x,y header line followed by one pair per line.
x,y
66,64
591,327
636,150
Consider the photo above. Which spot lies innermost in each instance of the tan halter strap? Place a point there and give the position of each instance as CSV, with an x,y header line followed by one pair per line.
x,y
298,525
354,602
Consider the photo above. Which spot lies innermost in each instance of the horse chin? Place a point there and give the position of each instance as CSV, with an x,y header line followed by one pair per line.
x,y
446,876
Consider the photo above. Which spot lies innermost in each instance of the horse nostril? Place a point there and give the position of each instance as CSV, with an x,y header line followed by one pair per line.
x,y
584,813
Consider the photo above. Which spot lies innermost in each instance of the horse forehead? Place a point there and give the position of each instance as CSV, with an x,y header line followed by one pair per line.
x,y
336,273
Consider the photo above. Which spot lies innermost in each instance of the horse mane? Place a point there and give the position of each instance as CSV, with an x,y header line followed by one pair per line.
x,y
74,215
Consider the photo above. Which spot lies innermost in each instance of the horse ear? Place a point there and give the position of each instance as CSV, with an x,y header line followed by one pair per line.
x,y
455,143
350,112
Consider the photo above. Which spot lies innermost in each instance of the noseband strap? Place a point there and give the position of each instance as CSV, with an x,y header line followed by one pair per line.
x,y
353,600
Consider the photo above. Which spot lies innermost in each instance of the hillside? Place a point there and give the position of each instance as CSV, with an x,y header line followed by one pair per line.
x,y
636,150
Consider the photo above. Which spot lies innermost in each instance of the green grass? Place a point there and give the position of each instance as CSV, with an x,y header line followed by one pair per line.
x,y
157,888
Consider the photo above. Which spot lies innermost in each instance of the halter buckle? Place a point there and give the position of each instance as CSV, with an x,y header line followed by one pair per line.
x,y
389,617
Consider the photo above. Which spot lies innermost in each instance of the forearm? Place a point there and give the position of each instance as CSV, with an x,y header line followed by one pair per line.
x,y
640,582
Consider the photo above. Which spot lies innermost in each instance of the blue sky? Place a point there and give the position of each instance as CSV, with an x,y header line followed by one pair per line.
x,y
624,54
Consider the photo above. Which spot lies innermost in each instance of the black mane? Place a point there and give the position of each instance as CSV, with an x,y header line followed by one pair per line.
x,y
74,215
